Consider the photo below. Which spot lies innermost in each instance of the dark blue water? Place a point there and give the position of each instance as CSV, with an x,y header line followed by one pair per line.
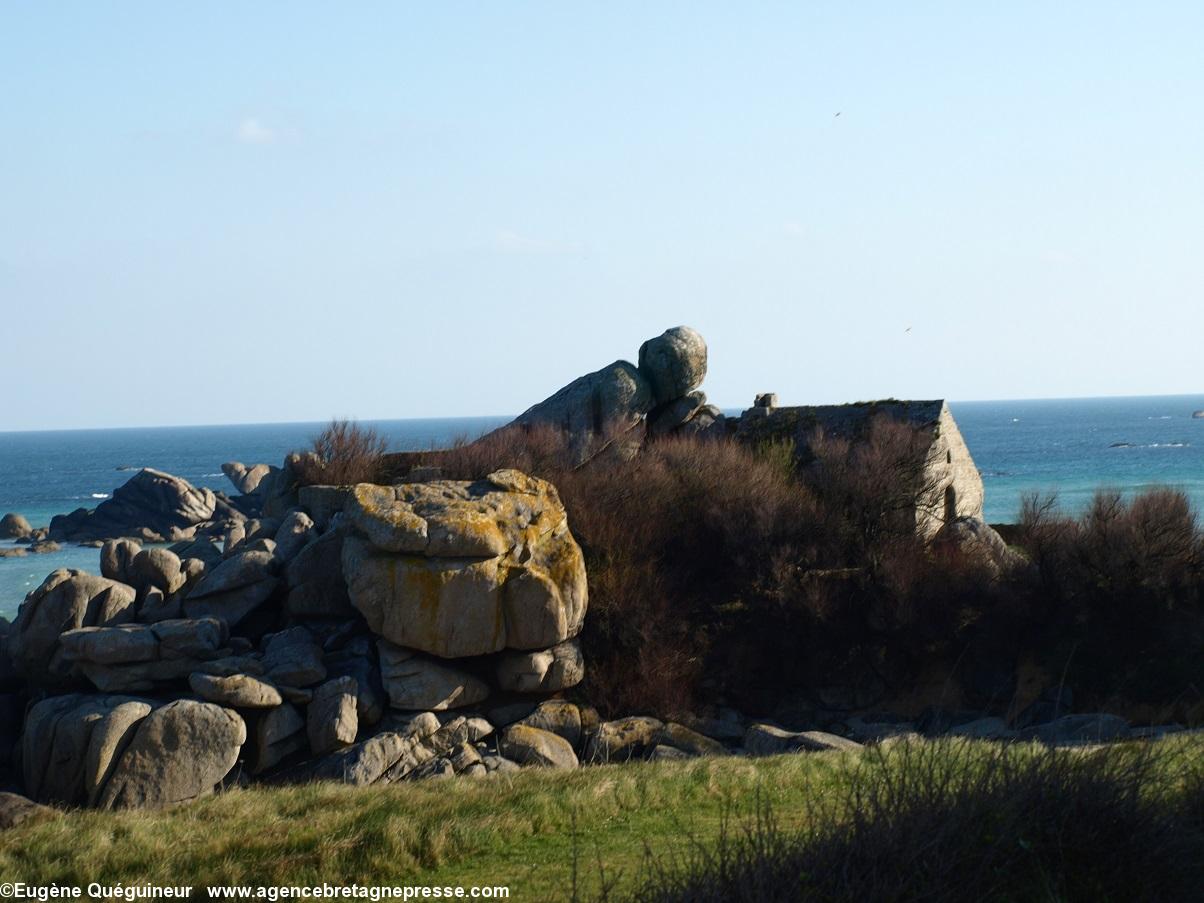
x,y
1071,446
47,473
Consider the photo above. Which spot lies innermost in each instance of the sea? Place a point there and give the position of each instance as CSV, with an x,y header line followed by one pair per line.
x,y
1071,447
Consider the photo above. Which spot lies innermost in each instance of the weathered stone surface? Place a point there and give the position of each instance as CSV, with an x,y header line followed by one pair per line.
x,y
674,363
973,536
673,415
294,658
159,568
413,681
245,479
767,740
316,588
623,739
606,402
56,743
358,659
689,742
296,530
331,720
231,606
365,762
513,576
16,809
110,645
66,600
546,671
531,746
109,739
239,691
150,502
279,733
14,526
180,751
237,571
558,717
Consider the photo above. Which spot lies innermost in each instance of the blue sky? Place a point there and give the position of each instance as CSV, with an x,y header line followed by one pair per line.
x,y
236,212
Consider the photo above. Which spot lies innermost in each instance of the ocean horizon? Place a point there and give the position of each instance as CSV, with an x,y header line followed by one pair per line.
x,y
1071,447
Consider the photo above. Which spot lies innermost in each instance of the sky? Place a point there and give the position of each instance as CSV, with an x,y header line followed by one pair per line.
x,y
234,212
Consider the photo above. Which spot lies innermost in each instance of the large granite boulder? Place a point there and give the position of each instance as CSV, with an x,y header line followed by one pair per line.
x,y
674,363
529,745
72,743
67,599
14,526
460,569
606,403
151,502
180,751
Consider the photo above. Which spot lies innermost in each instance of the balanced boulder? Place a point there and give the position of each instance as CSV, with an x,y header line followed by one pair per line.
x,y
674,363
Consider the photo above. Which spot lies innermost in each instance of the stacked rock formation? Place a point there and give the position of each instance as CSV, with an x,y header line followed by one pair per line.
x,y
621,404
362,643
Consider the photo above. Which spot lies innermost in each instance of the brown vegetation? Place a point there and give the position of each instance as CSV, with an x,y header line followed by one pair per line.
x,y
724,573
343,454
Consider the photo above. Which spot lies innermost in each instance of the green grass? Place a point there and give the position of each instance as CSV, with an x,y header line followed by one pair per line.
x,y
514,830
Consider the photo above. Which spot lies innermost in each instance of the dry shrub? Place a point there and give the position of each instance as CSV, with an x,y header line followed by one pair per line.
x,y
1126,581
343,454
959,822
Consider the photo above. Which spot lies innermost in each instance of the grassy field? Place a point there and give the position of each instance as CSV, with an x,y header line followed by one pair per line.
x,y
517,831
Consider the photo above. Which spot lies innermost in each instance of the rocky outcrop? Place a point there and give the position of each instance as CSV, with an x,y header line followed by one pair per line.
x,y
463,569
66,600
615,408
151,504
14,526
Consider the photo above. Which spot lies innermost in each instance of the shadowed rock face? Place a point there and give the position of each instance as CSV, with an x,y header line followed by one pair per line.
x,y
459,569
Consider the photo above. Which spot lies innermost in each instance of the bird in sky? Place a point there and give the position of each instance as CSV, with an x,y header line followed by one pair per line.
x,y
908,329
836,115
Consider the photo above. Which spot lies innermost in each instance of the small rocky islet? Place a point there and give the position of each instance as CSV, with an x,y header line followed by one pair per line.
x,y
379,633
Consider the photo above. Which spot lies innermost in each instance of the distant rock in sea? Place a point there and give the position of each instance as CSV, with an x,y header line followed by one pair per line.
x,y
1198,415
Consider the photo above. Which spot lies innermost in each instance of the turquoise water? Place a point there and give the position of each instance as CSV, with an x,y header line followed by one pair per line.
x,y
1072,446
1075,446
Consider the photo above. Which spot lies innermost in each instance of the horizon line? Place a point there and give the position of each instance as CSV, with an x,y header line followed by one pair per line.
x,y
319,422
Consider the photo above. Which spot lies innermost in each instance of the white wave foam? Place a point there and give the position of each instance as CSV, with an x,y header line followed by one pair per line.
x,y
100,495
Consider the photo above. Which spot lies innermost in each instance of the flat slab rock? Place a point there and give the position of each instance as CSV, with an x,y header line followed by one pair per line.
x,y
768,740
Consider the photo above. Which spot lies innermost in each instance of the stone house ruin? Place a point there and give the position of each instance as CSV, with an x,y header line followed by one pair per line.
x,y
948,485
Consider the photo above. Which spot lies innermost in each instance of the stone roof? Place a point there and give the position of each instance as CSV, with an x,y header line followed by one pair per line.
x,y
848,421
